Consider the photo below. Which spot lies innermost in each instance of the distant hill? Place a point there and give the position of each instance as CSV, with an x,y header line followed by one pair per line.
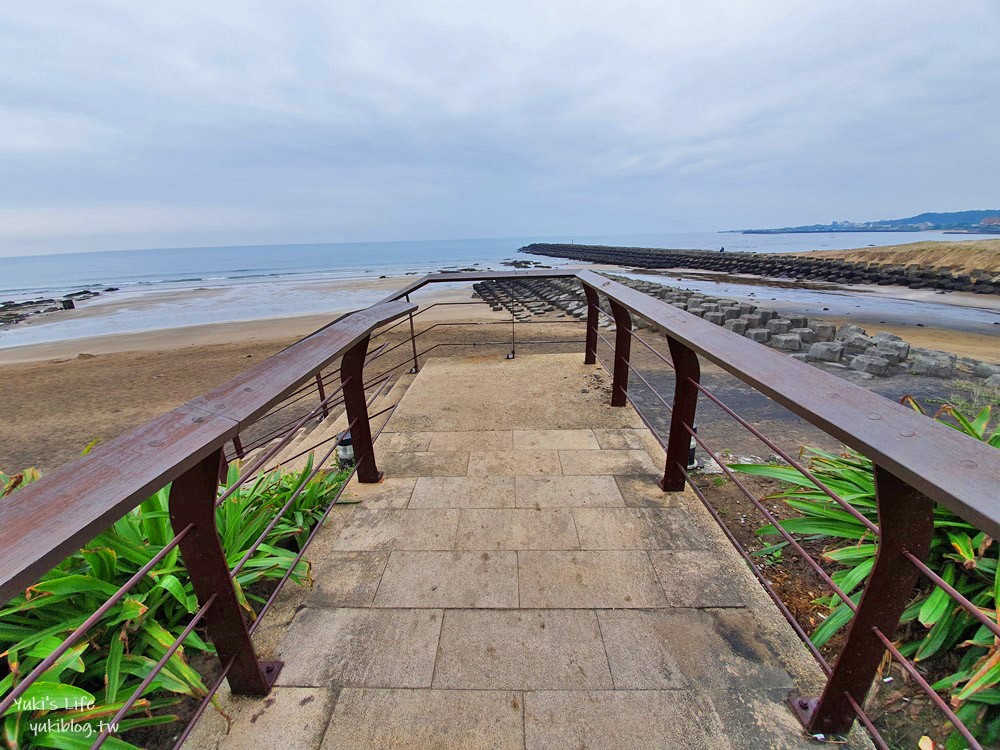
x,y
956,221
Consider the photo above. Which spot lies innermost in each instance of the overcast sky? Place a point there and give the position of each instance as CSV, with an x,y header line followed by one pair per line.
x,y
130,124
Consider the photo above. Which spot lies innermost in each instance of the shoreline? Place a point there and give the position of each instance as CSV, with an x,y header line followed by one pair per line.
x,y
226,332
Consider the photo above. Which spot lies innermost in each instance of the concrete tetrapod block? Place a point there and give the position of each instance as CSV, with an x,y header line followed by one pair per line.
x,y
849,329
871,365
823,331
826,351
779,325
761,335
806,335
856,342
934,366
788,342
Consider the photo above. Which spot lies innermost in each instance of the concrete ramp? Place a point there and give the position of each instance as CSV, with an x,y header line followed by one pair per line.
x,y
519,581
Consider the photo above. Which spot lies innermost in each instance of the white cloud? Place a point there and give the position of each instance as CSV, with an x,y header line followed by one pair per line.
x,y
351,120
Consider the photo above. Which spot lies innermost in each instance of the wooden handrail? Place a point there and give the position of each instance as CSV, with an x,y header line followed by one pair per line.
x,y
46,521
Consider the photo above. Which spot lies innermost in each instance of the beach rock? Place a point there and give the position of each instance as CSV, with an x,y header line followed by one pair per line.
x,y
715,317
993,381
849,329
761,335
797,321
805,334
800,356
826,351
856,342
871,365
736,326
934,366
890,355
753,321
823,331
779,325
881,336
985,370
787,342
899,347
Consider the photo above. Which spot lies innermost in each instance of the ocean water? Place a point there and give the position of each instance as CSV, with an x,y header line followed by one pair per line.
x,y
288,279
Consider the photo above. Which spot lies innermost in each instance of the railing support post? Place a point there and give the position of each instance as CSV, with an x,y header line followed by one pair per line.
x,y
413,343
687,372
322,394
623,348
192,502
906,523
352,378
593,317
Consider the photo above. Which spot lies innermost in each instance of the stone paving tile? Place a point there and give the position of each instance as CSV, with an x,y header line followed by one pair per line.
x,y
514,462
696,578
606,580
606,462
521,650
472,440
678,648
548,528
619,439
643,492
404,442
420,528
555,439
620,720
345,579
426,464
368,719
288,717
392,492
463,492
449,579
637,528
361,648
762,718
567,492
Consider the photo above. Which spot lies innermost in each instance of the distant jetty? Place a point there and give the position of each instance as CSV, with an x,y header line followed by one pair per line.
x,y
782,266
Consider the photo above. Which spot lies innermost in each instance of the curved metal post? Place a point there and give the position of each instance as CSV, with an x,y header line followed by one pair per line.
x,y
593,317
352,378
906,521
413,343
687,372
623,348
192,502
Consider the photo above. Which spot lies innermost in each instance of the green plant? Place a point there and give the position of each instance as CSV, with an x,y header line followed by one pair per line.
x,y
89,684
962,555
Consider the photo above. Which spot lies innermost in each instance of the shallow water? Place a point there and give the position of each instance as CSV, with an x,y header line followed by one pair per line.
x,y
252,283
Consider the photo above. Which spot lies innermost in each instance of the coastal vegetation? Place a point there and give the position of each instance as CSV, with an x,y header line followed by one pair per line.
x,y
93,680
966,255
961,654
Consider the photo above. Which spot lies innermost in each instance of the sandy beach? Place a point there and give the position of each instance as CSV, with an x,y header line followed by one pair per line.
x,y
60,396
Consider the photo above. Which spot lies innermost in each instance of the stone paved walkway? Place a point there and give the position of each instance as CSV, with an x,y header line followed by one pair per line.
x,y
519,581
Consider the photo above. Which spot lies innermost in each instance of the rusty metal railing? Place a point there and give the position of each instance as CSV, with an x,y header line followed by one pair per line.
x,y
53,517
915,466
915,461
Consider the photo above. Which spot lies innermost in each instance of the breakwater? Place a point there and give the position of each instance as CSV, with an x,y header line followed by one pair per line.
x,y
844,348
781,266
